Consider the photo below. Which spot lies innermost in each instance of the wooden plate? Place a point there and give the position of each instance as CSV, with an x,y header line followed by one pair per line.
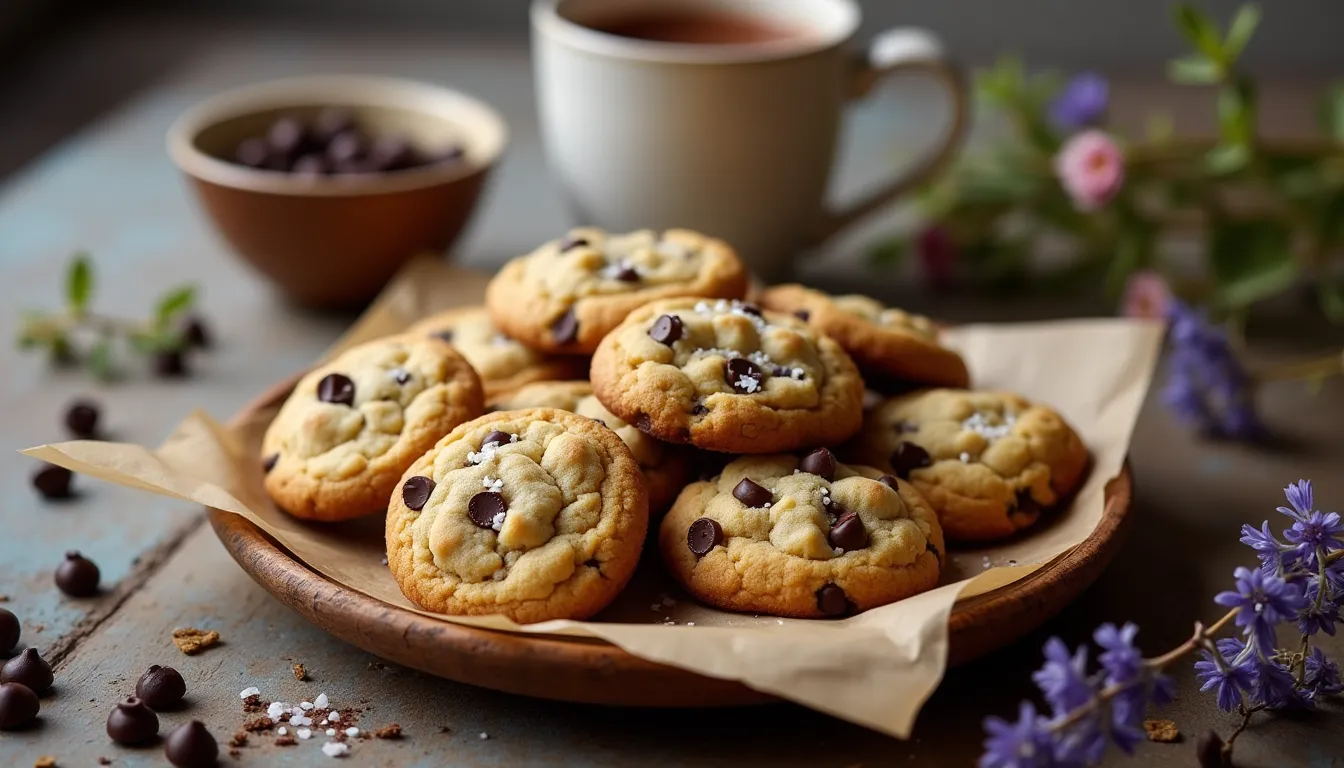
x,y
592,671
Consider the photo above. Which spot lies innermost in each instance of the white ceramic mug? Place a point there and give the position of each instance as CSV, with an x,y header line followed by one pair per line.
x,y
736,140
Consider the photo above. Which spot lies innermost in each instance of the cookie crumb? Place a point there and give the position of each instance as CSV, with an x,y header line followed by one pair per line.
x,y
254,703
192,641
259,724
300,673
236,753
239,739
4,598
45,761
285,741
104,760
1164,731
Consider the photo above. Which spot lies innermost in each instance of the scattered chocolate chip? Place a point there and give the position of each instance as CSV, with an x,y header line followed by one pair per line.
x,y
666,329
131,722
239,739
743,375
704,535
268,463
572,242
566,329
497,437
484,507
820,462
907,458
197,333
699,410
336,388
750,308
627,274
848,532
53,482
18,706
1209,750
161,688
802,314
401,376
81,418
30,669
643,423
9,631
831,600
191,746
170,363
77,576
416,490
445,335
753,495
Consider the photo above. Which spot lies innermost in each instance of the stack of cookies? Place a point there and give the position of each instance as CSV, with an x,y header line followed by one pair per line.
x,y
521,449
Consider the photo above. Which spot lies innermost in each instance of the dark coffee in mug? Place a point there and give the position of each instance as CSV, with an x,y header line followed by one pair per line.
x,y
702,27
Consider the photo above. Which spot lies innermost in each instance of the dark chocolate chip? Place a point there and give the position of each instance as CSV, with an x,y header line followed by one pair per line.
x,y
416,490
752,494
485,506
666,329
627,274
907,458
802,314
599,421
392,152
18,706
1209,750
566,329
254,153
268,463
643,423
572,242
161,688
287,137
401,375
170,364
779,370
749,308
53,482
81,418
30,669
345,148
848,532
191,746
936,554
132,722
451,154
446,335
831,601
196,332
336,388
311,164
889,481
77,576
743,376
331,122
704,535
1026,505
699,409
9,631
497,437
820,462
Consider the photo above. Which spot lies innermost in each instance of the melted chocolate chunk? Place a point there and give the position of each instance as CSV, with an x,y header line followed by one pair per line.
x,y
643,423
666,329
336,388
566,329
831,601
704,535
848,532
820,462
268,463
416,490
752,494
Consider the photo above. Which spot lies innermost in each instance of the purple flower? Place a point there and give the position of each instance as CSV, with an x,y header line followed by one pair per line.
x,y
1317,530
1081,744
1320,617
1063,678
1275,687
1127,711
1322,678
1268,548
1023,744
1262,601
1299,494
1207,386
1228,677
1082,102
1119,657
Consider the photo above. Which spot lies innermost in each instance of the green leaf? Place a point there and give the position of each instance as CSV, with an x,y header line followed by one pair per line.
x,y
159,340
172,303
1227,159
1194,70
100,360
1331,297
1240,30
888,254
1236,112
1251,260
1200,30
1331,112
1159,128
78,283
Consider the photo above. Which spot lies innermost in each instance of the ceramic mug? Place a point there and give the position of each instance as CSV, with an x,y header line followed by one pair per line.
x,y
735,139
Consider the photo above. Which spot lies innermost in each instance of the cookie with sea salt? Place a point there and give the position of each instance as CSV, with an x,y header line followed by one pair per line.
x,y
503,363
569,293
889,344
352,426
665,467
728,376
534,514
988,462
805,536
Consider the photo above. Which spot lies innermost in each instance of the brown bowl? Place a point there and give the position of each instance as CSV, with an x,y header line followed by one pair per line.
x,y
334,241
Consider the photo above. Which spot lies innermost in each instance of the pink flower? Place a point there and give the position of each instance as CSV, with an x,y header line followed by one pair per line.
x,y
1146,296
1092,169
937,256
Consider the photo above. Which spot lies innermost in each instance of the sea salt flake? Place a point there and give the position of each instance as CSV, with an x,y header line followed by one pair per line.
x,y
275,710
321,702
494,484
253,691
282,730
749,384
352,732
965,458
335,749
331,731
690,623
983,425
334,716
305,705
498,521
837,551
798,373
484,735
304,733
500,340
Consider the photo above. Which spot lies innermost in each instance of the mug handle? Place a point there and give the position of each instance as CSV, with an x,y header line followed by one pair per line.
x,y
905,49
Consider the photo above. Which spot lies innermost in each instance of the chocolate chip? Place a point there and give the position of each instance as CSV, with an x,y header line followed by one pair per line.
x,y
196,332
566,329
131,722
53,482
572,242
311,165
749,308
704,535
930,547
889,481
753,495
30,669
170,364
446,335
401,376
253,153
1026,505
331,122
191,746
81,418
831,600
286,137
699,410
497,437
77,576
485,506
666,329
743,375
391,152
416,490
161,688
848,532
9,631
820,462
345,149
627,274
907,458
802,314
336,388
643,423
452,154
268,463
18,706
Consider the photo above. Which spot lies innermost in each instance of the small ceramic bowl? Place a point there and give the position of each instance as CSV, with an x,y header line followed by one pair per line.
x,y
334,241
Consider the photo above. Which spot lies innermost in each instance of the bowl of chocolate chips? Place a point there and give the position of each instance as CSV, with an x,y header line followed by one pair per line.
x,y
327,185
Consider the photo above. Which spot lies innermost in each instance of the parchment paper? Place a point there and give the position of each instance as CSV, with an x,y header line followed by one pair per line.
x,y
876,669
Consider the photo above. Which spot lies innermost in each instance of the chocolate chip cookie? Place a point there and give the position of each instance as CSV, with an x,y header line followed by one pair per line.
x,y
888,344
727,376
351,427
988,462
665,467
504,364
535,514
569,293
806,536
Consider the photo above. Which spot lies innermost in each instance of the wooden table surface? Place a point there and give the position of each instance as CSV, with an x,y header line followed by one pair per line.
x,y
111,189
